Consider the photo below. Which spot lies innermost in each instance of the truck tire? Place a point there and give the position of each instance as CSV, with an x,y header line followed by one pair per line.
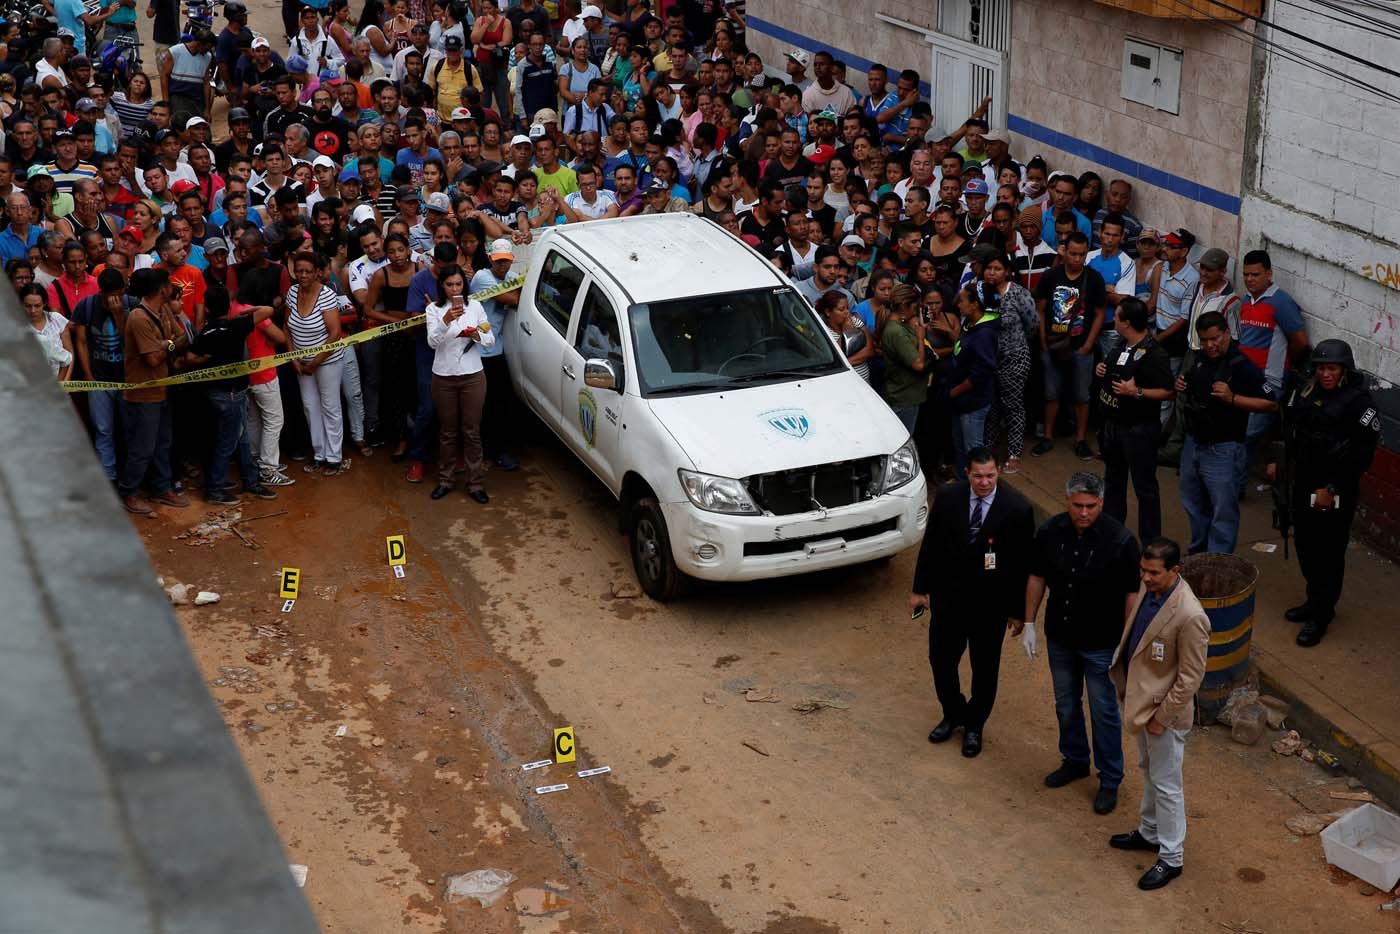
x,y
652,560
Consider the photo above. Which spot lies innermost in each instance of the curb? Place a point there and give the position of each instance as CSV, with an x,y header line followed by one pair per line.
x,y
1360,750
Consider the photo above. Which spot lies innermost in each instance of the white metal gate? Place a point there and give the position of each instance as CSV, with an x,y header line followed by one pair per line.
x,y
971,44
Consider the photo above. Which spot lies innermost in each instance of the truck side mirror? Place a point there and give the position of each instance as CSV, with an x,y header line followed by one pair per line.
x,y
602,374
853,341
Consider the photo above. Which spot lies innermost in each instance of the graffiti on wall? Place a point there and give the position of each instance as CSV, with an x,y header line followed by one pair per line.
x,y
1387,274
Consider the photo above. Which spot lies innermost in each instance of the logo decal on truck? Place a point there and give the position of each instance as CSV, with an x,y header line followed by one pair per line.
x,y
587,416
790,422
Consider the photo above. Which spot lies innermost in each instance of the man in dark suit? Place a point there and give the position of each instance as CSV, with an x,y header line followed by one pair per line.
x,y
971,576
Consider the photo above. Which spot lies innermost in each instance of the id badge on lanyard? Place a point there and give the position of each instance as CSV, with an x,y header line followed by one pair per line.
x,y
989,559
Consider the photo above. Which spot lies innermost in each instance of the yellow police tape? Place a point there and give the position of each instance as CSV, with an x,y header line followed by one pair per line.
x,y
245,367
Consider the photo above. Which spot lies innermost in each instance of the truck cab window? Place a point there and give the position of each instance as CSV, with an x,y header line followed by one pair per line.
x,y
557,290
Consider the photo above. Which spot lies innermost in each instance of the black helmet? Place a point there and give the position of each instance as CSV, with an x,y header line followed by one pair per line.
x,y
1333,350
234,10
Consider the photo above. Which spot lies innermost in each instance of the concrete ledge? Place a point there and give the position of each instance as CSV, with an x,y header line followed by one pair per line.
x,y
124,806
1362,751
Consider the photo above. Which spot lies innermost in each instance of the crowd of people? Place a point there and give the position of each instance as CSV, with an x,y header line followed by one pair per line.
x,y
383,166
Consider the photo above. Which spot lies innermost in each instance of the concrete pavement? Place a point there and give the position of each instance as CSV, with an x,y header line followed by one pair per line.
x,y
1345,692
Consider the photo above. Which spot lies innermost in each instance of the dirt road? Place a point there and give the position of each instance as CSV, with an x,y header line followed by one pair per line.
x,y
726,809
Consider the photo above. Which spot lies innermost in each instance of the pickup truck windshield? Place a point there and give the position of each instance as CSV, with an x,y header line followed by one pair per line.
x,y
710,342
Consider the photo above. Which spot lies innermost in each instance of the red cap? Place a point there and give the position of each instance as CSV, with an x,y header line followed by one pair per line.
x,y
1173,239
822,154
182,186
132,232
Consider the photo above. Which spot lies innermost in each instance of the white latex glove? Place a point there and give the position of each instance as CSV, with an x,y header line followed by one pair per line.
x,y
1028,640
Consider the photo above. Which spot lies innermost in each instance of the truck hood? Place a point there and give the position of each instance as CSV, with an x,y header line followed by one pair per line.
x,y
781,426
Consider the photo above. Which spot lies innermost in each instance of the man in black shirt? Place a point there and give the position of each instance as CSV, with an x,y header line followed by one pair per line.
x,y
1135,380
288,110
1089,564
222,342
1217,393
1070,300
765,220
330,135
791,167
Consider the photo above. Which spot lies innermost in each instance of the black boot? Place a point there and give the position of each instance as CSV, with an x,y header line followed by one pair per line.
x,y
1311,634
1298,614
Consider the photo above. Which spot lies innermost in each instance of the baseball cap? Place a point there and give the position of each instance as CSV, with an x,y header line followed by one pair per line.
x,y
323,162
1180,237
452,43
405,193
799,56
196,121
520,139
437,201
163,135
996,136
976,186
461,113
348,174
657,186
500,249
537,132
132,232
297,65
329,77
183,185
261,43
239,115
37,170
215,245
362,214
85,105
853,240
547,115
1214,258
65,33
590,11
489,167
62,134
828,114
822,154
980,254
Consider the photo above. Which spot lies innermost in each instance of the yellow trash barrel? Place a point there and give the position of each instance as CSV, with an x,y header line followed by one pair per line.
x,y
1225,586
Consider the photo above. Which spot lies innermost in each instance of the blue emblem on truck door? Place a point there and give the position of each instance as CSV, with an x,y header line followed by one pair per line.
x,y
588,417
790,422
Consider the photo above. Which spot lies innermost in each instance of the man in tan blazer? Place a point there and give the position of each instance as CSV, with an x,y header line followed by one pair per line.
x,y
1157,669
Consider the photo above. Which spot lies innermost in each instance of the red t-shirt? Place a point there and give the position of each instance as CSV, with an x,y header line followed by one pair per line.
x,y
259,345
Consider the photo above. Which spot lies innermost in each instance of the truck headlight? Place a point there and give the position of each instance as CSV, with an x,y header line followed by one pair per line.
x,y
901,467
717,494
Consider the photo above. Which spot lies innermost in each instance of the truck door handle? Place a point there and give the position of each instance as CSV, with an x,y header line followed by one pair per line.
x,y
525,326
568,371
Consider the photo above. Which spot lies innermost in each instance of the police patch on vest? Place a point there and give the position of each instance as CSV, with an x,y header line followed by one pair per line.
x,y
1368,418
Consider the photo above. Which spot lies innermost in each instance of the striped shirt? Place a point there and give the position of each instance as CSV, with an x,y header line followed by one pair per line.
x,y
65,179
132,116
310,330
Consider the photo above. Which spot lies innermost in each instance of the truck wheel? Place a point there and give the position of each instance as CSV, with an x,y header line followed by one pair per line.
x,y
652,560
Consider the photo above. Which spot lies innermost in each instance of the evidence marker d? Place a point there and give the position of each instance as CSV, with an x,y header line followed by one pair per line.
x,y
398,555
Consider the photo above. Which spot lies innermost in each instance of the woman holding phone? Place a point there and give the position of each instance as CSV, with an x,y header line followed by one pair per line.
x,y
457,331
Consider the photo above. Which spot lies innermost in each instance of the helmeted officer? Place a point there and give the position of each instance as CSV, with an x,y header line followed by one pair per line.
x,y
1331,427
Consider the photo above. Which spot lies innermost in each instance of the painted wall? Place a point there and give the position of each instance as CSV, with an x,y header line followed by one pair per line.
x,y
1066,77
848,30
1327,193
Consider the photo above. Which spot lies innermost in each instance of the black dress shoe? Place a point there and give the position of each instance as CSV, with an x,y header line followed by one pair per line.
x,y
441,490
972,743
1312,632
943,732
479,495
1066,773
1298,614
1106,801
1132,840
1159,875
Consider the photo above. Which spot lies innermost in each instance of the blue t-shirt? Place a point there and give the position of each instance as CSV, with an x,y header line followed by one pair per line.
x,y
866,314
422,291
495,311
414,162
638,165
1047,226
67,12
1112,269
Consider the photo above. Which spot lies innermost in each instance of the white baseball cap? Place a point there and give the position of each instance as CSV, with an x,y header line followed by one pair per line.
x,y
592,11
500,249
321,162
261,43
362,214
437,201
799,56
520,139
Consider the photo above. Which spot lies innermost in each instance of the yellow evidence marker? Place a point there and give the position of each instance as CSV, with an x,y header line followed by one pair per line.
x,y
564,744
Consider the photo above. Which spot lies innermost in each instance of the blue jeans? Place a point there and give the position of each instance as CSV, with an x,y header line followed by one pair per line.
x,y
1259,425
1072,670
147,447
969,431
230,439
1210,494
102,408
427,410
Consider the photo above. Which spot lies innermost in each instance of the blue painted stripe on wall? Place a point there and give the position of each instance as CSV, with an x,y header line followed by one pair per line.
x,y
1177,185
804,42
1117,162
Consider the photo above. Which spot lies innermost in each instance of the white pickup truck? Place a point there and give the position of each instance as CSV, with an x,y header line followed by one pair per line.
x,y
706,394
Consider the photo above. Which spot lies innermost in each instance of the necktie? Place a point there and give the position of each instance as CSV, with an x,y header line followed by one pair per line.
x,y
974,524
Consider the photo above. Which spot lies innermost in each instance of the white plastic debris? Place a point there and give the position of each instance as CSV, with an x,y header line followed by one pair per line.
x,y
179,594
206,597
340,730
485,885
298,874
